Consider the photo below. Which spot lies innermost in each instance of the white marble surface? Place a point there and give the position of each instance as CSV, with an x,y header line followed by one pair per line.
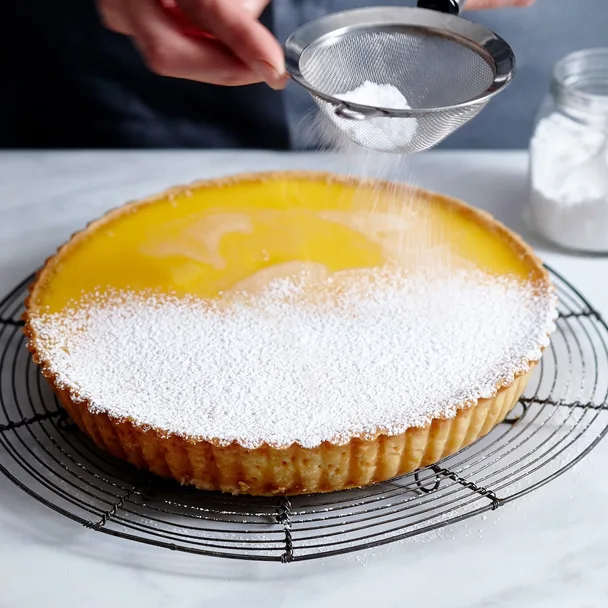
x,y
549,549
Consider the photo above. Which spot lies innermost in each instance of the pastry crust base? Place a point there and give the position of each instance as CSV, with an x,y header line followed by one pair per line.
x,y
294,470
267,471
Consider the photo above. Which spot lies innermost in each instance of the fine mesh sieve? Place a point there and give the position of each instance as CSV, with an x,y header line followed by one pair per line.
x,y
446,67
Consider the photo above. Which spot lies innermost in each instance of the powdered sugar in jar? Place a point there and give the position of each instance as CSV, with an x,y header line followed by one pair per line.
x,y
569,155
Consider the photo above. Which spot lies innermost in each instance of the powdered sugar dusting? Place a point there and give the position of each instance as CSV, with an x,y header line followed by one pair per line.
x,y
384,134
383,353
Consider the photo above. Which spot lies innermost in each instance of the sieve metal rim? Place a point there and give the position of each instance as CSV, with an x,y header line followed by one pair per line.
x,y
486,43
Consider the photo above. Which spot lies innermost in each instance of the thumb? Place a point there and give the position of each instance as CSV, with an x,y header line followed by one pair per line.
x,y
254,7
114,16
242,33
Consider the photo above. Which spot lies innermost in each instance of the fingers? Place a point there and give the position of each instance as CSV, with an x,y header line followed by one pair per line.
x,y
485,4
244,35
253,7
244,53
170,53
114,16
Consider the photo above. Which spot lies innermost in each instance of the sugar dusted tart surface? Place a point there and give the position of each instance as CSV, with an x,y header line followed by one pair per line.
x,y
289,333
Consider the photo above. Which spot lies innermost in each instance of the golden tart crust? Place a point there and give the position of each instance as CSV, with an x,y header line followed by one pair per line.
x,y
267,470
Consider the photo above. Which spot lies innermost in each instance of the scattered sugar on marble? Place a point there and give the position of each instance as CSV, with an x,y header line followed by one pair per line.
x,y
276,368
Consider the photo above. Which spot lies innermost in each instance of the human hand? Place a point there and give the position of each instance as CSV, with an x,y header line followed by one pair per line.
x,y
474,5
235,48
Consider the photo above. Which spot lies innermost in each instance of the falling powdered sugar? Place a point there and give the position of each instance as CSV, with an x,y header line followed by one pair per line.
x,y
280,367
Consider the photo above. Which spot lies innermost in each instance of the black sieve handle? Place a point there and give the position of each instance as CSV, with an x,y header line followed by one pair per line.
x,y
452,7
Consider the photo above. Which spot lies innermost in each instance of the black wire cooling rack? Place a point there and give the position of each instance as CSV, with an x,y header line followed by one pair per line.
x,y
562,417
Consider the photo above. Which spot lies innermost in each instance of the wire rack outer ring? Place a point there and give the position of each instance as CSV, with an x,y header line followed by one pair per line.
x,y
561,418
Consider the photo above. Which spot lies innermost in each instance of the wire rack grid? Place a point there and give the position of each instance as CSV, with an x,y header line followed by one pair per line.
x,y
561,418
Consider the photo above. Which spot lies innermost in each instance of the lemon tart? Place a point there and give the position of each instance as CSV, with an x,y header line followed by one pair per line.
x,y
289,333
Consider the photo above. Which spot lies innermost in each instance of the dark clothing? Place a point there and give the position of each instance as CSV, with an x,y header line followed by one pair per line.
x,y
69,83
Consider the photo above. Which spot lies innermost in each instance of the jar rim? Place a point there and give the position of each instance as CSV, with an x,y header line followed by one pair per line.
x,y
580,81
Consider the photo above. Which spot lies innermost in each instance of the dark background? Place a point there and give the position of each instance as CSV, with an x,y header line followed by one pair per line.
x,y
69,83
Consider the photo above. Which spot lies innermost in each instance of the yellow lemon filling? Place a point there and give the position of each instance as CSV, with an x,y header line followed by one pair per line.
x,y
202,241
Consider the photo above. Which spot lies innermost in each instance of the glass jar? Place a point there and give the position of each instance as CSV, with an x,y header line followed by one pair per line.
x,y
569,155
